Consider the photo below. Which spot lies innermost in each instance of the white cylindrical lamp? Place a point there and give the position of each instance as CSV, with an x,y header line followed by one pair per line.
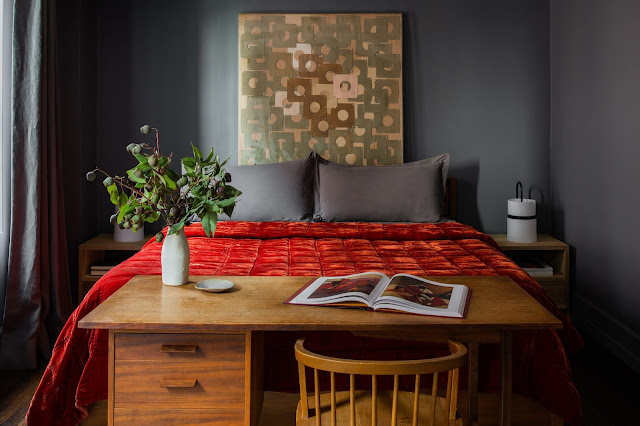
x,y
522,224
127,235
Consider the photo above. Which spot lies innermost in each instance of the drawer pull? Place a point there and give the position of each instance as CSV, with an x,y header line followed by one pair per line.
x,y
178,383
179,349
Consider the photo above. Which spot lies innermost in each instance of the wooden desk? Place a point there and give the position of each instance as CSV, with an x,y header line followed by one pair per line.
x,y
177,351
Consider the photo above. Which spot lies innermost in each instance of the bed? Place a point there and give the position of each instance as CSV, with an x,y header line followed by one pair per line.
x,y
77,373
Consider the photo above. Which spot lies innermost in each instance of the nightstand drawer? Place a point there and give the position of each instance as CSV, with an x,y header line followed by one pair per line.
x,y
557,292
127,416
180,384
180,347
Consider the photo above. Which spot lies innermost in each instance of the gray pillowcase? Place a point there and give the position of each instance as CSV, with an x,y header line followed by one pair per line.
x,y
442,159
273,192
410,193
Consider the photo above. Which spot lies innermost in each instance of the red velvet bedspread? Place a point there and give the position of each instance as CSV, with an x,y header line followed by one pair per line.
x,y
77,373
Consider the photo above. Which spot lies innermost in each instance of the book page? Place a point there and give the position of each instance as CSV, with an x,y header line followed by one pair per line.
x,y
360,287
417,291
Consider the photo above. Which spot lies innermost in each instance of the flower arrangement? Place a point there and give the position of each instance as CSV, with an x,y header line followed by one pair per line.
x,y
152,190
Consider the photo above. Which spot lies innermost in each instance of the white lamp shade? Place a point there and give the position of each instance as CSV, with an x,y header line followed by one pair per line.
x,y
521,221
127,235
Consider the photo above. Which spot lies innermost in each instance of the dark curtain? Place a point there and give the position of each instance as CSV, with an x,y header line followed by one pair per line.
x,y
37,293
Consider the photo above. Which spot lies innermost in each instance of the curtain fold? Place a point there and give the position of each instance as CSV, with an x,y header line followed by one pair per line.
x,y
38,299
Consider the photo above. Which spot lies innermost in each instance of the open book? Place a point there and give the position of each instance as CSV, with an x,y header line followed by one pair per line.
x,y
376,291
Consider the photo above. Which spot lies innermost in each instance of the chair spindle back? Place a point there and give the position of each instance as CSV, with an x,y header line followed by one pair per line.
x,y
449,364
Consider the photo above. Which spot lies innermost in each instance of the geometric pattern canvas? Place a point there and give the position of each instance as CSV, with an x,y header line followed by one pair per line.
x,y
330,83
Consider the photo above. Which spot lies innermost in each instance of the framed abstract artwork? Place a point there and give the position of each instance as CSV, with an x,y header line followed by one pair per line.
x,y
325,82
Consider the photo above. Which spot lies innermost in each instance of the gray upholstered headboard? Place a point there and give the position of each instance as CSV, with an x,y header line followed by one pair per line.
x,y
450,198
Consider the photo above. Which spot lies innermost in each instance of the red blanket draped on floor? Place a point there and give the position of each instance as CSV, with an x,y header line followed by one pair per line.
x,y
77,373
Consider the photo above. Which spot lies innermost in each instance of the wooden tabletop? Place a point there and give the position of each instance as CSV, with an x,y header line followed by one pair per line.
x,y
106,242
544,242
256,303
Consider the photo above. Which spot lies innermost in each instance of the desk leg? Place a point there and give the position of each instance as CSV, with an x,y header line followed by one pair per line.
x,y
111,377
506,378
254,376
472,353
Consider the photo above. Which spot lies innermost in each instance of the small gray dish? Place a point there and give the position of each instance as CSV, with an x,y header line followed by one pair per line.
x,y
214,285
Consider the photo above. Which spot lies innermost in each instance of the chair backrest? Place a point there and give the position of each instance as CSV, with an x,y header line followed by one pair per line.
x,y
450,364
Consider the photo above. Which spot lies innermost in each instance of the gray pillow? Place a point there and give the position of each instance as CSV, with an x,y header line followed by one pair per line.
x,y
442,158
410,193
438,159
272,192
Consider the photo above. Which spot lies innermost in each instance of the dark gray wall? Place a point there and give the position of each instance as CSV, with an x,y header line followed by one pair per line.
x,y
77,117
595,152
476,85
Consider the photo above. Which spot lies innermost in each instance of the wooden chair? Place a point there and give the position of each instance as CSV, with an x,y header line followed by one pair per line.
x,y
389,407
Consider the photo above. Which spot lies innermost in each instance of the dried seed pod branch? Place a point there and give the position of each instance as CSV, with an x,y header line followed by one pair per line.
x,y
155,190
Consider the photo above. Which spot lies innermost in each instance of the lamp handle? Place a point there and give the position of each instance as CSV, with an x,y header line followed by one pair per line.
x,y
519,185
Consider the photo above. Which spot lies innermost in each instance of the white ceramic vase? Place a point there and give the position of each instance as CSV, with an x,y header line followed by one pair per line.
x,y
175,259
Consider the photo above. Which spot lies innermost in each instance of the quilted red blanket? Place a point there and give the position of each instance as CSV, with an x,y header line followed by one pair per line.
x,y
77,373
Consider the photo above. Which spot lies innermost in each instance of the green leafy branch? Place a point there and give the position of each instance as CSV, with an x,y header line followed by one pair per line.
x,y
152,190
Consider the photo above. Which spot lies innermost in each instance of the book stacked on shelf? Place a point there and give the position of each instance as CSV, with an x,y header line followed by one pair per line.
x,y
534,266
99,270
377,292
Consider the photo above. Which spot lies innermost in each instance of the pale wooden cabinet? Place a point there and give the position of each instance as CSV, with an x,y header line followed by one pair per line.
x,y
93,252
555,253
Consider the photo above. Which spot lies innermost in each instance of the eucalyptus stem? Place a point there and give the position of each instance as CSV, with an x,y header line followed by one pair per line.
x,y
157,140
177,196
188,191
120,180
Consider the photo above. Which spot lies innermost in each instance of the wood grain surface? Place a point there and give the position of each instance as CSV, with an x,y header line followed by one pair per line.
x,y
106,242
161,417
256,303
384,416
545,242
555,253
208,347
150,385
92,252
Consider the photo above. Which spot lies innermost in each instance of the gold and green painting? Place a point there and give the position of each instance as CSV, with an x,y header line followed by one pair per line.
x,y
330,83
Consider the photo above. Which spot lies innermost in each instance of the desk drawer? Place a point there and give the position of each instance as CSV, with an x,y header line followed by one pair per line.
x,y
126,416
180,384
179,347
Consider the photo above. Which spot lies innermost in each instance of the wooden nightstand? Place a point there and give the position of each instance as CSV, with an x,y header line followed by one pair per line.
x,y
554,252
93,251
